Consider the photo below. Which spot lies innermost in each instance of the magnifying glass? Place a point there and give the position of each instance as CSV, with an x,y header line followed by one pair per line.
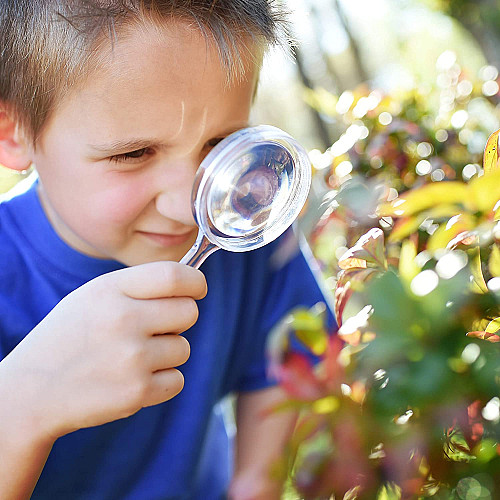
x,y
247,191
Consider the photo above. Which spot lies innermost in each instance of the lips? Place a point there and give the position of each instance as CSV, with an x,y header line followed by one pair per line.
x,y
168,240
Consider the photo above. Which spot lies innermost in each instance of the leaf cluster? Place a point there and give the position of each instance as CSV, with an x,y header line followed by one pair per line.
x,y
403,399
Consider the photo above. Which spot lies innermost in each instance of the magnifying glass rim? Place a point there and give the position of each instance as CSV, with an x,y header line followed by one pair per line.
x,y
260,134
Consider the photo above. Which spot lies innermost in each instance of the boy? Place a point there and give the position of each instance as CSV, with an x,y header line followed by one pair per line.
x,y
116,103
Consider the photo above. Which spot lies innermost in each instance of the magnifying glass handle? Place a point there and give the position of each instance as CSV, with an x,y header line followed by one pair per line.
x,y
200,250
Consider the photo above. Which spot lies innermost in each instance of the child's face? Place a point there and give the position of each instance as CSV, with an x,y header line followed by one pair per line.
x,y
118,157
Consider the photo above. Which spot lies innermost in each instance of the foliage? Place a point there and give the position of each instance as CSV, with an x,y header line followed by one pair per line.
x,y
404,402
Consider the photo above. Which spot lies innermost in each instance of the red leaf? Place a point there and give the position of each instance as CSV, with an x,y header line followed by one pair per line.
x,y
490,337
297,377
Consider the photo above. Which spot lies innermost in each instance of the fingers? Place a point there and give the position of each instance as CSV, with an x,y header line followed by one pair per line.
x,y
167,351
160,279
158,316
165,385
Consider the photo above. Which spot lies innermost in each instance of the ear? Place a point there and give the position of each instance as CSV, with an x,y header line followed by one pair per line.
x,y
14,150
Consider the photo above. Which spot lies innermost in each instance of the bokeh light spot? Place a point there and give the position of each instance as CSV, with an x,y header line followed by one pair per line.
x,y
441,135
470,353
438,175
491,411
451,263
488,73
469,171
424,149
490,88
385,118
343,168
459,118
423,167
424,282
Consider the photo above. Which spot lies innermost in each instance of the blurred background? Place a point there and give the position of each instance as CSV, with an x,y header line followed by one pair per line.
x,y
391,94
390,45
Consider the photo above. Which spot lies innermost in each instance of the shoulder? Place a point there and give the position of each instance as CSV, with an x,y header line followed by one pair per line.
x,y
279,268
269,259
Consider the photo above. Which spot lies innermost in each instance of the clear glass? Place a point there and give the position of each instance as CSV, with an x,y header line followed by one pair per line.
x,y
248,191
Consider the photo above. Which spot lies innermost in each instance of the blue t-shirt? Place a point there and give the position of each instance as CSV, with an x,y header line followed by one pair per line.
x,y
179,449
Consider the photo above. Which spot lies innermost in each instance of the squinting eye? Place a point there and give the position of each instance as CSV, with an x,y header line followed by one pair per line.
x,y
213,142
132,155
136,154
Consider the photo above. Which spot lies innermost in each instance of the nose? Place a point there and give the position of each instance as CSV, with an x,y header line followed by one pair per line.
x,y
173,200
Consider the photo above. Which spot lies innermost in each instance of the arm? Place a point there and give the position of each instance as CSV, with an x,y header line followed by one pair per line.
x,y
260,442
23,446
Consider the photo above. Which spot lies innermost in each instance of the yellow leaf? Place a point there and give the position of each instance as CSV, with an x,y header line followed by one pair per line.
x,y
405,227
446,232
328,404
316,340
493,326
428,196
442,210
477,273
408,269
490,157
494,261
484,192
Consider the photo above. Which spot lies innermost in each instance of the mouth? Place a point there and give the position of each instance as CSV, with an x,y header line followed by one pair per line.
x,y
168,240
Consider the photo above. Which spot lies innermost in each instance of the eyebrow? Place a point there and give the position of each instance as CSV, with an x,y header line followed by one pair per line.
x,y
124,146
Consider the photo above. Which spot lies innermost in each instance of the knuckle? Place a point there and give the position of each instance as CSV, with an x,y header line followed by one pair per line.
x,y
125,318
172,274
132,356
136,393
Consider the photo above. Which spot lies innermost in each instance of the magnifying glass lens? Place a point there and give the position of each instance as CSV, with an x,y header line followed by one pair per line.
x,y
247,191
254,192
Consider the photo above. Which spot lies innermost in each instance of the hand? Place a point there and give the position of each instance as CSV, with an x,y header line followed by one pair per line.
x,y
107,350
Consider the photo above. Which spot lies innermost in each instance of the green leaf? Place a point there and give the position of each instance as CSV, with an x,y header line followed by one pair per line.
x,y
486,450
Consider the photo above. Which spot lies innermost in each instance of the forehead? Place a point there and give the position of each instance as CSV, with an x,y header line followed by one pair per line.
x,y
158,73
177,50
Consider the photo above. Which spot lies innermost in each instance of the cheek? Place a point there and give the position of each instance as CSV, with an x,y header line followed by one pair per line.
x,y
119,204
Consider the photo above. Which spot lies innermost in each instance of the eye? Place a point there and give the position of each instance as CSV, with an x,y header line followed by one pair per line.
x,y
132,156
213,142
